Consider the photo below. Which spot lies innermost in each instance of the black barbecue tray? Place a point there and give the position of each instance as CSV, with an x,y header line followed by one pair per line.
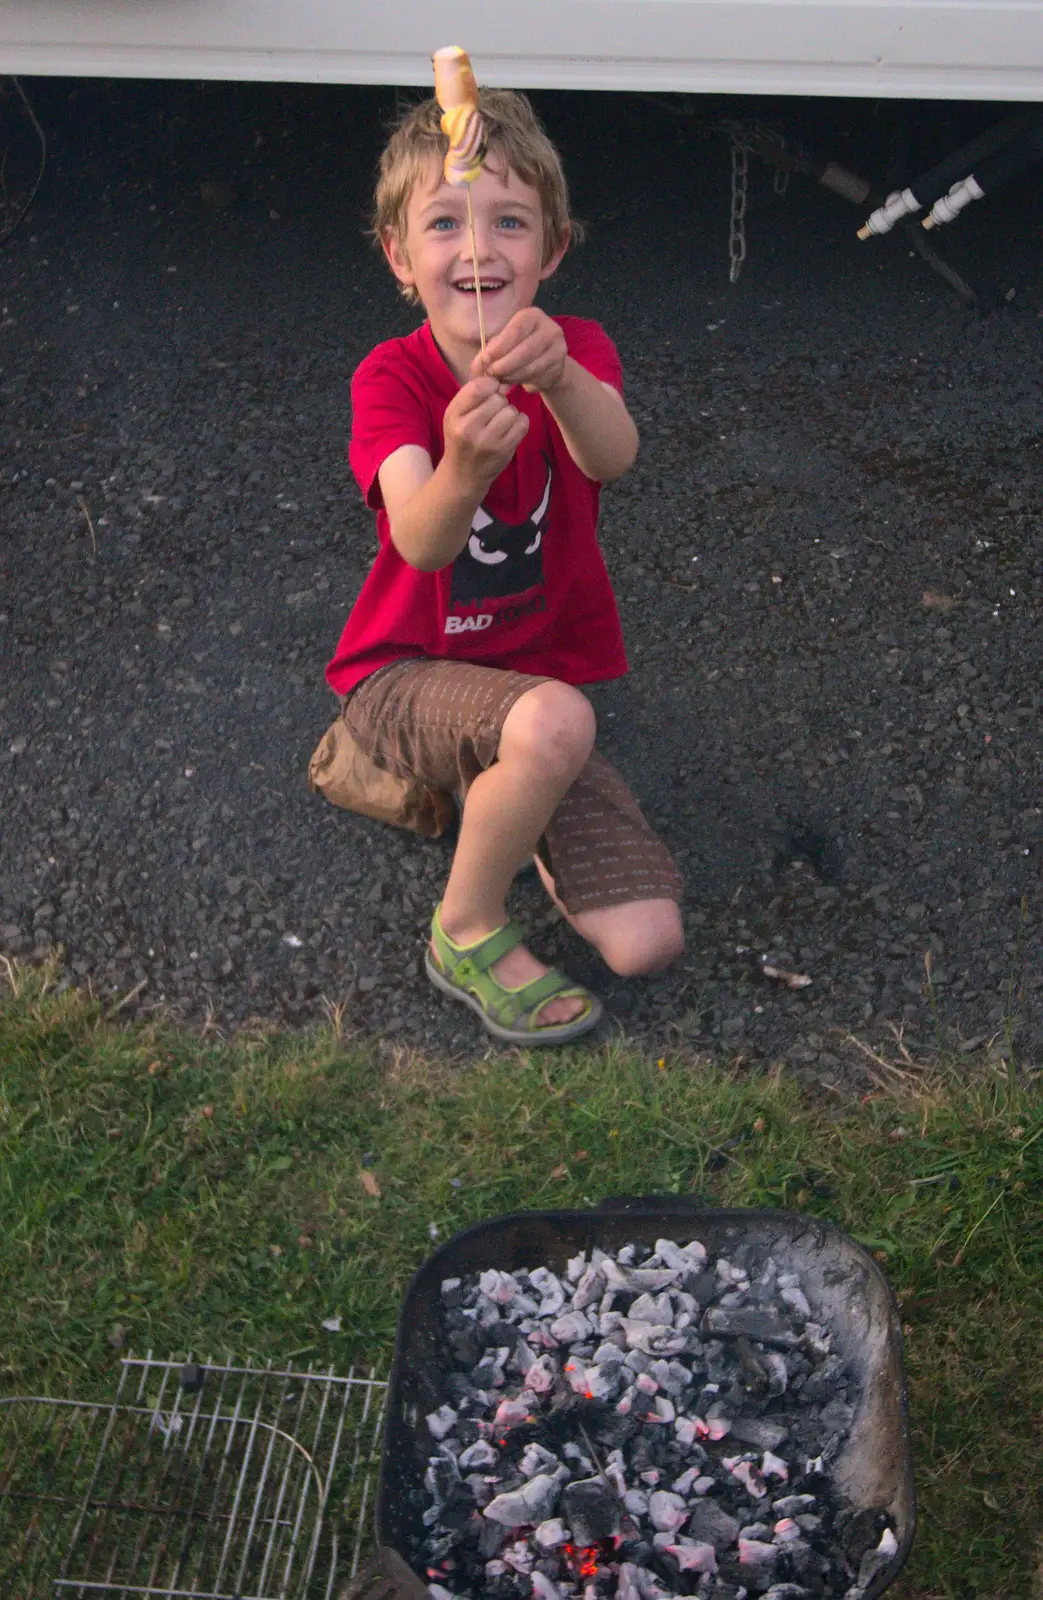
x,y
844,1285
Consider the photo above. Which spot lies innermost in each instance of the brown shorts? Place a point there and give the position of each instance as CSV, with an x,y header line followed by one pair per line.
x,y
439,722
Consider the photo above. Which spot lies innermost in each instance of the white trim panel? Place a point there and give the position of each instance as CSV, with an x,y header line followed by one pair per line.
x,y
958,49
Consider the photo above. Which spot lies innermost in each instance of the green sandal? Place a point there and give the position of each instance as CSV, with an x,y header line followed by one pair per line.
x,y
462,972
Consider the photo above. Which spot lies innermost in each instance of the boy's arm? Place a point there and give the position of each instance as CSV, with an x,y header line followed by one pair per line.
x,y
598,430
430,508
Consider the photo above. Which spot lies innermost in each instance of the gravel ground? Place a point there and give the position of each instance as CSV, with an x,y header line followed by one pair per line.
x,y
827,560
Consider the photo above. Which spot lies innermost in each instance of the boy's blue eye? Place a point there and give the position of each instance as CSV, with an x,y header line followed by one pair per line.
x,y
441,224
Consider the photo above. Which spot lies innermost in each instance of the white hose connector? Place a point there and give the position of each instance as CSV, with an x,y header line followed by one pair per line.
x,y
897,205
950,205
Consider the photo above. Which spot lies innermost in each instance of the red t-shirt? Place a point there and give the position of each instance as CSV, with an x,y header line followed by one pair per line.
x,y
529,590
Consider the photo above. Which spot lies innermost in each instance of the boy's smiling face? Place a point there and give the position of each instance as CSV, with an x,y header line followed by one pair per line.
x,y
436,256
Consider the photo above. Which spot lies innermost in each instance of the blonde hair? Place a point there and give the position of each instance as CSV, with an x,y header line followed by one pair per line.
x,y
515,138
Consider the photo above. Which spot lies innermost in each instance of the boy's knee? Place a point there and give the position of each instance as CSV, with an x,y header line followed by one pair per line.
x,y
649,941
552,725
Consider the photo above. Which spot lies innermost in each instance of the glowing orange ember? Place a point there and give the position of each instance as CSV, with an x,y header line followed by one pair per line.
x,y
586,1560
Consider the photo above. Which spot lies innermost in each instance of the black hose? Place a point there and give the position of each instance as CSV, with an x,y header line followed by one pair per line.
x,y
1005,164
935,182
931,186
1009,162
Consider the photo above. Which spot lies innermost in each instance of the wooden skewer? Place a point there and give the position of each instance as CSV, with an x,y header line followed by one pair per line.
x,y
474,260
457,95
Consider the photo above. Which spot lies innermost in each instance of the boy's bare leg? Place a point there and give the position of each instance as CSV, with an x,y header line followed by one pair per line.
x,y
546,739
634,939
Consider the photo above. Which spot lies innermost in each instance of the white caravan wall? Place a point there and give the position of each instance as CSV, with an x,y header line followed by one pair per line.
x,y
969,49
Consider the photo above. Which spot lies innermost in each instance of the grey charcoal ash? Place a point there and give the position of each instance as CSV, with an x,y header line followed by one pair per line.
x,y
667,1511
535,1459
649,1424
749,1323
442,1421
759,1431
691,1555
531,1504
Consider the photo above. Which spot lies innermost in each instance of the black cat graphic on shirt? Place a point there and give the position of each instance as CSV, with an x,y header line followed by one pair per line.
x,y
500,558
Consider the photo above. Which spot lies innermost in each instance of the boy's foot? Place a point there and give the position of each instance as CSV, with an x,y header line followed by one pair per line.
x,y
519,966
518,998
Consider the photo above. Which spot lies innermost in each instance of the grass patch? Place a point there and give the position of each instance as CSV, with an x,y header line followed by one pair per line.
x,y
159,1191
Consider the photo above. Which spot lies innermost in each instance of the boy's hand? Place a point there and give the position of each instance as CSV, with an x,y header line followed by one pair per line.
x,y
482,431
530,350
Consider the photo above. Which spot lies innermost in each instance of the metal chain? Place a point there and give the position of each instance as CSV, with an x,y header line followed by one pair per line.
x,y
747,135
737,224
743,135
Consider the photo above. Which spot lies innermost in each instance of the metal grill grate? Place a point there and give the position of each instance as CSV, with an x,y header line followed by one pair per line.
x,y
204,1483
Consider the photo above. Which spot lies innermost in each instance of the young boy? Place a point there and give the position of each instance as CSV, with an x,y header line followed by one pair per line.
x,y
488,601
